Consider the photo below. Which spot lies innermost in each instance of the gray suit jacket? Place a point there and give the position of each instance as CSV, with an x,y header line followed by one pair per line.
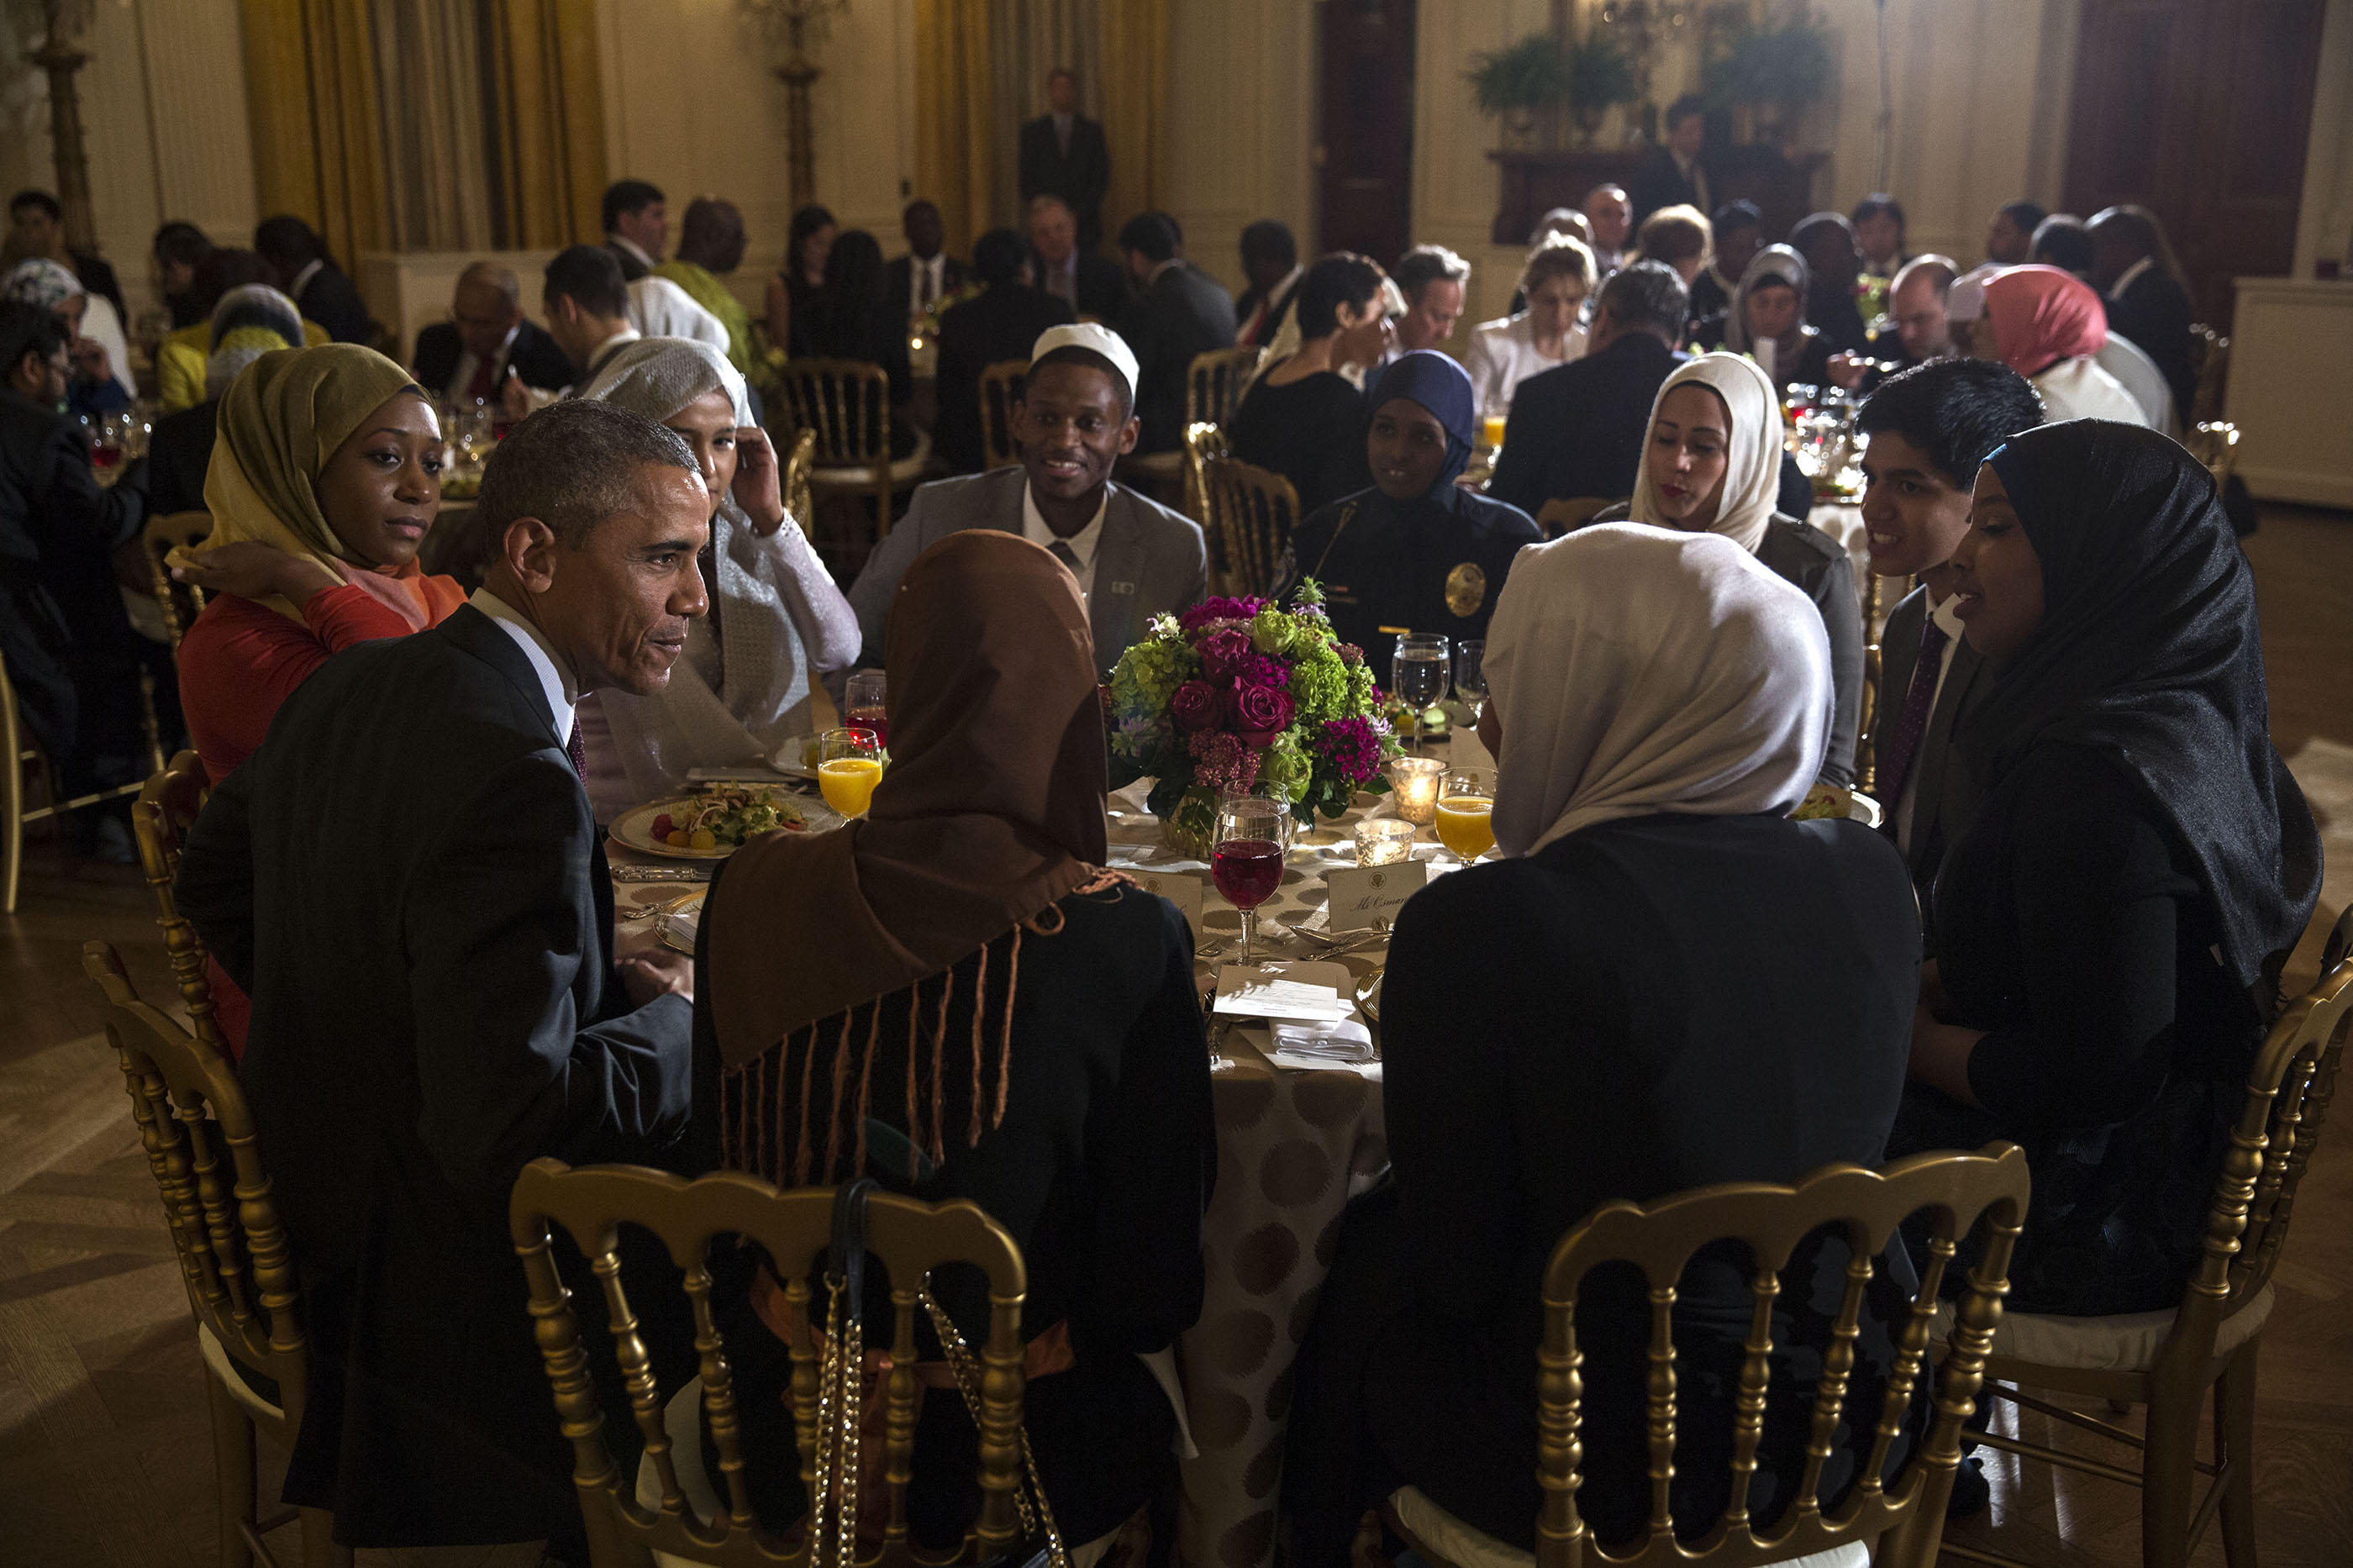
x,y
1947,792
1149,560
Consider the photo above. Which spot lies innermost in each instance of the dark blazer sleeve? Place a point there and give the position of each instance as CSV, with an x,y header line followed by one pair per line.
x,y
437,351
76,516
1091,163
1833,594
1519,478
214,885
539,363
1037,151
500,919
333,302
1344,468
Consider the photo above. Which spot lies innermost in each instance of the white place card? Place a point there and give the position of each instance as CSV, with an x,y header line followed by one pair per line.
x,y
1182,888
1358,894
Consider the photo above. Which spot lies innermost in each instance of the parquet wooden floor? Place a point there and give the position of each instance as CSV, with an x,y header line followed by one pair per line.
x,y
105,1452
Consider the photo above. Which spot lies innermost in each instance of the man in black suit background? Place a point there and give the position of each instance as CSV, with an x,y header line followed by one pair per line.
x,y
1672,175
309,277
1271,262
1576,430
1000,324
1178,311
928,273
636,226
2134,270
407,881
1063,155
465,358
1089,284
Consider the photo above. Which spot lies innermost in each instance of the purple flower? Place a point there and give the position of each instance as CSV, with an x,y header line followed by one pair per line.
x,y
1210,610
1350,654
1195,707
1353,746
1226,654
1222,761
1263,669
1260,712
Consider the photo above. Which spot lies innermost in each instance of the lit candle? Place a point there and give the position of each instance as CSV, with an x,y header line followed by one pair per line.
x,y
1415,780
1384,840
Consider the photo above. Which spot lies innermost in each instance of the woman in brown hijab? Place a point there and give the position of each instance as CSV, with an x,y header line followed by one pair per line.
x,y
952,996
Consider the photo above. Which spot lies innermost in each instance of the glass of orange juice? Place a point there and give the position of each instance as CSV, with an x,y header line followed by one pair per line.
x,y
1466,804
1491,429
850,765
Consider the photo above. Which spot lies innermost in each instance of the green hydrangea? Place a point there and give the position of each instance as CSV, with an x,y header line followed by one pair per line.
x,y
1148,675
1286,767
1320,685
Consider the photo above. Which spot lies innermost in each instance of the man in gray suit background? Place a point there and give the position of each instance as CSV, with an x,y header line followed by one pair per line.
x,y
1930,428
1134,558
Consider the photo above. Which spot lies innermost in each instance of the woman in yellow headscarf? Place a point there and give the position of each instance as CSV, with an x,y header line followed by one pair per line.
x,y
324,479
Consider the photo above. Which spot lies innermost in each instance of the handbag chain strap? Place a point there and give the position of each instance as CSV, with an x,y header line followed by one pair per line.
x,y
966,1372
840,1389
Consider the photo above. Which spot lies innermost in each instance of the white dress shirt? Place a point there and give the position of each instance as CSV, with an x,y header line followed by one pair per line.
x,y
2079,388
1950,624
554,675
2130,275
1503,354
926,281
302,280
1082,543
469,362
618,243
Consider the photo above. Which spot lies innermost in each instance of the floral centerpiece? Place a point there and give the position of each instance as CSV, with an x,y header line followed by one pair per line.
x,y
1240,694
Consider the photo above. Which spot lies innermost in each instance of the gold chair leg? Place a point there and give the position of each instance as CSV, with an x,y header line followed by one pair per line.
x,y
232,1473
12,797
2234,1447
319,1548
2169,1479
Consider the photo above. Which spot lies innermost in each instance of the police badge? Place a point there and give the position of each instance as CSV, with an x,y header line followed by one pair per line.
x,y
1466,589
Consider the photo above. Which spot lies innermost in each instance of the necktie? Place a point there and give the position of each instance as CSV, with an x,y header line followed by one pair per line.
x,y
577,753
1912,724
1063,553
923,290
485,384
1247,336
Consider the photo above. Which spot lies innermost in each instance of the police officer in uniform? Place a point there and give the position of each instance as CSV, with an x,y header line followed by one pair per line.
x,y
1417,553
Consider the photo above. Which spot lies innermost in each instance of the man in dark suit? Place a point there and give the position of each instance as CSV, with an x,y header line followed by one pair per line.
x,y
1063,155
1088,283
310,277
2132,266
1928,429
426,1023
1000,324
1672,175
1576,430
637,226
928,273
466,358
1134,558
1271,262
1178,311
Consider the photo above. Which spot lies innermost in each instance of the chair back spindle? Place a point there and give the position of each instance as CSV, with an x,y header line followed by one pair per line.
x,y
1001,386
1257,513
181,602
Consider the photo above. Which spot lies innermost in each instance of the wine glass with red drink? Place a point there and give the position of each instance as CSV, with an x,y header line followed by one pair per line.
x,y
864,705
1246,861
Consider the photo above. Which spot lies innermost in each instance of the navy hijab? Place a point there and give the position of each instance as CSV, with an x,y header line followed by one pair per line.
x,y
1430,379
2148,650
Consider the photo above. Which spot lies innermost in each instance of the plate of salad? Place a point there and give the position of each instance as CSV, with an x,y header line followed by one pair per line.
x,y
715,821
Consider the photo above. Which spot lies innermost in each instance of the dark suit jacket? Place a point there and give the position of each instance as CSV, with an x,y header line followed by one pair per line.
x,y
2155,314
953,275
406,880
533,356
333,301
1661,184
631,268
179,455
1946,789
1101,286
97,277
1003,323
1080,176
1247,303
1576,429
1148,560
1185,312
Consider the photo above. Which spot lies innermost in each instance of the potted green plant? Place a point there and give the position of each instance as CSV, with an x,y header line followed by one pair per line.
x,y
1601,75
1771,72
1514,83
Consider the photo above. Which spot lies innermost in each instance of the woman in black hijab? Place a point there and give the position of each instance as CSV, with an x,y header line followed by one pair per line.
x,y
1827,242
2110,930
1417,551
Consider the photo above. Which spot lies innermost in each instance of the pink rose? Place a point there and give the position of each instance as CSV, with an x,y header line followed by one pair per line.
x,y
1260,712
1223,652
1196,708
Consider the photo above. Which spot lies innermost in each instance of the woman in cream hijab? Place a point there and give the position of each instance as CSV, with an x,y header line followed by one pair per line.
x,y
1712,463
1665,982
747,682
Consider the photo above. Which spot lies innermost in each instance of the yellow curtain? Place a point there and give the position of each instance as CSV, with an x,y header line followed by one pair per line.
x,y
318,151
955,145
552,116
1135,99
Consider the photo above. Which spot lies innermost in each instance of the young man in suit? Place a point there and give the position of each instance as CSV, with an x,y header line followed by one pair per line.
x,y
1090,285
309,277
2132,266
1672,175
1929,429
928,273
1178,311
1271,262
467,358
1134,558
1576,430
637,226
1063,153
407,881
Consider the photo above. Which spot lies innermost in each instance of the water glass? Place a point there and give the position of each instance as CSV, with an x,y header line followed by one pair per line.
x,y
1418,674
1471,675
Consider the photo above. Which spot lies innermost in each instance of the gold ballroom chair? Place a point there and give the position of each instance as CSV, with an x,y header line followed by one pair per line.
x,y
1257,512
1000,389
1213,390
800,461
2211,350
182,603
160,819
1205,443
847,403
1906,1516
13,815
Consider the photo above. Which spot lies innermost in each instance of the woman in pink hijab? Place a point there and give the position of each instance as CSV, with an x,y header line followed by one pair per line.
x,y
2046,324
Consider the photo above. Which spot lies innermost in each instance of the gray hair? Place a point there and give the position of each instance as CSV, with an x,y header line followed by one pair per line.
x,y
502,279
1426,264
574,464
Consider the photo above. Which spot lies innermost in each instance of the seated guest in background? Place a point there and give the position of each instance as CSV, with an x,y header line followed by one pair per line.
x,y
660,309
1062,154
183,358
1672,176
1417,553
1656,708
417,1038
178,248
1612,216
1556,221
1768,321
742,686
1926,431
1678,236
1578,431
710,246
1921,330
37,228
1878,221
1074,1106
249,321
1133,557
1504,352
2109,933
467,358
2009,237
1736,234
1089,284
859,323
637,226
2140,283
1833,264
1713,465
927,274
587,307
2062,240
797,290
1303,419
2046,325
1178,311
1271,263
311,278
69,647
1433,280
1000,324
99,382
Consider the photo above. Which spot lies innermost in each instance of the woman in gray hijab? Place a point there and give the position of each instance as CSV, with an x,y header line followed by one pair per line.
x,y
776,621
